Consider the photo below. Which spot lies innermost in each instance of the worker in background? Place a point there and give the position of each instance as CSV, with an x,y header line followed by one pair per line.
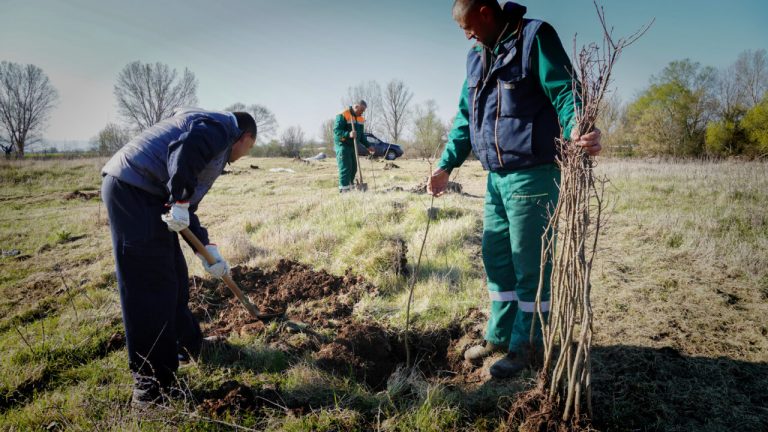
x,y
349,128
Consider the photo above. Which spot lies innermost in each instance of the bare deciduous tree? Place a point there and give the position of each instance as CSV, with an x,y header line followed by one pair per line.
x,y
26,99
293,140
111,139
397,99
429,133
370,92
611,124
751,71
731,96
266,123
326,134
724,133
149,93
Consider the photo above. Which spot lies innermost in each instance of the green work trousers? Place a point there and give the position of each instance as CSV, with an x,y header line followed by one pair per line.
x,y
517,205
347,162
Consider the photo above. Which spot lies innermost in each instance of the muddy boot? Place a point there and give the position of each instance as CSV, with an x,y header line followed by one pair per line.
x,y
516,361
478,353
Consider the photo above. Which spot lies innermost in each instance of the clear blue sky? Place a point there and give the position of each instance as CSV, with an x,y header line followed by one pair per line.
x,y
298,57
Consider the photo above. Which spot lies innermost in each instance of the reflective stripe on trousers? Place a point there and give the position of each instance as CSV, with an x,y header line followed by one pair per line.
x,y
507,296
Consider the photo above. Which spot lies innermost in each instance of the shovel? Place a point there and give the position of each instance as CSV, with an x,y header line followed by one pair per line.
x,y
361,186
198,246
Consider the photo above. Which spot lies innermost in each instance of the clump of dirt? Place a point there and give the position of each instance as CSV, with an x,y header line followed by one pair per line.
x,y
451,187
392,257
390,165
362,350
83,195
455,187
399,259
233,397
115,342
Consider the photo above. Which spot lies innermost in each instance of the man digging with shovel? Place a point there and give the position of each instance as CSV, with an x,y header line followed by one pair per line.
x,y
151,189
348,130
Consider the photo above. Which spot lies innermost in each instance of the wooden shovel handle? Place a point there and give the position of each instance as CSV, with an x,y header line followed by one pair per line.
x,y
198,245
357,156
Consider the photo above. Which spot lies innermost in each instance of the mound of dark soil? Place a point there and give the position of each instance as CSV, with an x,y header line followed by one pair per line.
x,y
310,295
318,323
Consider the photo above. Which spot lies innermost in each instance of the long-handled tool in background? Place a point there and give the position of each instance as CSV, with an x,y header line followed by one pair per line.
x,y
200,248
361,185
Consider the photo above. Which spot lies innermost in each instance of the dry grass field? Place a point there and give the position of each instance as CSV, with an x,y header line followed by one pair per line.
x,y
680,299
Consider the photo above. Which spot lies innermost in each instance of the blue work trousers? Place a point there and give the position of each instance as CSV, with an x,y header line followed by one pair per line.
x,y
153,282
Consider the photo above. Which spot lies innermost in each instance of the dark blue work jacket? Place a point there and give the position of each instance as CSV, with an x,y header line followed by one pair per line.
x,y
513,124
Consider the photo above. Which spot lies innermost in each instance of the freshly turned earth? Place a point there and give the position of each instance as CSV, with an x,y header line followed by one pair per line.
x,y
320,306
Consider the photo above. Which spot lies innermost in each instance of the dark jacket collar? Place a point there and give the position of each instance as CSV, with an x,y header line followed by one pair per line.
x,y
513,11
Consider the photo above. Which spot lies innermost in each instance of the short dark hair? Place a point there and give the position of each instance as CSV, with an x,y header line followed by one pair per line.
x,y
361,102
246,123
462,7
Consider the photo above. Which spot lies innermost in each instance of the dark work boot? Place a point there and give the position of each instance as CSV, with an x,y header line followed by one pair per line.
x,y
516,361
206,345
189,353
146,394
478,353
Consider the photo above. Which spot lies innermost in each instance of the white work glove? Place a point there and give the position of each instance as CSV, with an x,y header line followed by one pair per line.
x,y
217,269
177,217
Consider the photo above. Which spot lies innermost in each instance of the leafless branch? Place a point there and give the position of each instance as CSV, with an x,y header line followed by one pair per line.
x,y
149,93
26,342
575,226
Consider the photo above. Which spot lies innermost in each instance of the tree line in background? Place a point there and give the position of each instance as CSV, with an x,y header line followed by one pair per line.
x,y
688,110
148,93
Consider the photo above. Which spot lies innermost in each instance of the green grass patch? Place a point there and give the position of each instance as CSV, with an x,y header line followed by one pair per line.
x,y
680,293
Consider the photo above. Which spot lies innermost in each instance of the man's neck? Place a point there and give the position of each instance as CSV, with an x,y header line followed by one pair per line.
x,y
501,27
